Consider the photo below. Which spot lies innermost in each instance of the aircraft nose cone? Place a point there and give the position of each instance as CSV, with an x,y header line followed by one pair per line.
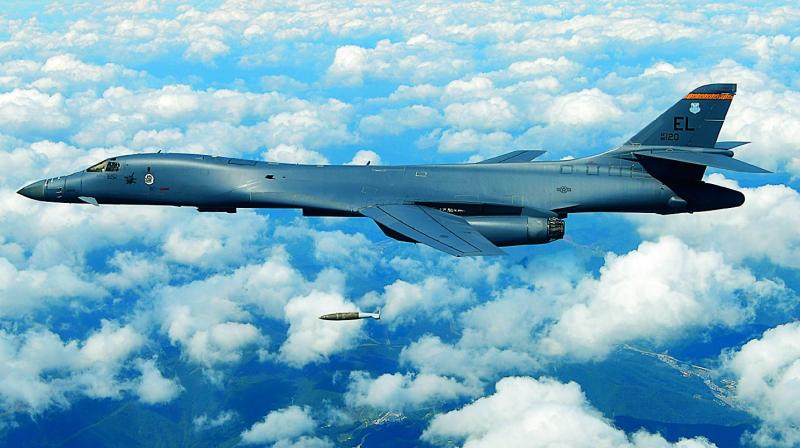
x,y
33,191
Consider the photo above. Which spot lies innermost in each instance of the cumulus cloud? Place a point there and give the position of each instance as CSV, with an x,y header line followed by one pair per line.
x,y
287,427
434,298
216,121
73,69
470,140
474,87
29,110
525,411
429,354
397,121
541,66
662,69
348,65
204,422
294,154
396,391
153,387
364,156
349,251
25,290
738,233
492,113
764,112
209,240
43,371
587,107
134,271
310,339
469,271
210,318
767,374
420,58
204,331
654,292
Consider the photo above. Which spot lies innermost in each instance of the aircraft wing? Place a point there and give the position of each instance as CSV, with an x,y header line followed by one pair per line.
x,y
443,231
520,156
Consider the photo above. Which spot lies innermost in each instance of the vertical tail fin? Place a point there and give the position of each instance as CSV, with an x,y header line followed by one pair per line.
x,y
695,120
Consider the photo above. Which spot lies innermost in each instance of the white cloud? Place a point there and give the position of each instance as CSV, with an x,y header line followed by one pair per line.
x,y
397,121
492,113
475,87
204,422
655,292
294,154
348,65
470,140
73,69
767,116
767,373
430,355
171,102
207,332
209,318
584,108
213,239
662,69
43,371
396,391
287,427
352,252
772,209
205,42
134,271
312,340
540,66
363,156
25,290
417,93
434,298
420,58
29,110
153,387
529,412
205,121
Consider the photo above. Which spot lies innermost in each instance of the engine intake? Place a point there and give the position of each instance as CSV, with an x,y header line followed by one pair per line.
x,y
517,230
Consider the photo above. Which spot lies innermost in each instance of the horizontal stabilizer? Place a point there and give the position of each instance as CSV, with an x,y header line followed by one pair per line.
x,y
708,159
729,145
515,157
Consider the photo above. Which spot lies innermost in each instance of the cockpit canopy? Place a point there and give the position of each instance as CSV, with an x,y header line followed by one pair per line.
x,y
104,166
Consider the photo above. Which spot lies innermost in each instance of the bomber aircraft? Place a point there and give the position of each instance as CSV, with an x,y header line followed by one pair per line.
x,y
463,209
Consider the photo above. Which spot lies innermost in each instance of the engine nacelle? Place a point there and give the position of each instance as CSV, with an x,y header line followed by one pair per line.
x,y
517,230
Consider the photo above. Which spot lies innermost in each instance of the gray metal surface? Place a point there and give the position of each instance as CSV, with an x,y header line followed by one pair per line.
x,y
463,209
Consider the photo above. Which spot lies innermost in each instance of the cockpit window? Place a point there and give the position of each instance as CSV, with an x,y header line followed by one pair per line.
x,y
104,166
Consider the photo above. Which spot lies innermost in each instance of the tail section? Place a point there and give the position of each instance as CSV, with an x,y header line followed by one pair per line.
x,y
694,121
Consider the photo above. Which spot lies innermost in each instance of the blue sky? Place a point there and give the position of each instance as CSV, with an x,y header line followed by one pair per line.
x,y
143,304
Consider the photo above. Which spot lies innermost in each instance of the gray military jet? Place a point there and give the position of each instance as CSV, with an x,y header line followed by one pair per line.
x,y
461,209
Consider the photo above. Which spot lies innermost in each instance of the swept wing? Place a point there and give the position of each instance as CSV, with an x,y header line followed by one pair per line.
x,y
440,230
